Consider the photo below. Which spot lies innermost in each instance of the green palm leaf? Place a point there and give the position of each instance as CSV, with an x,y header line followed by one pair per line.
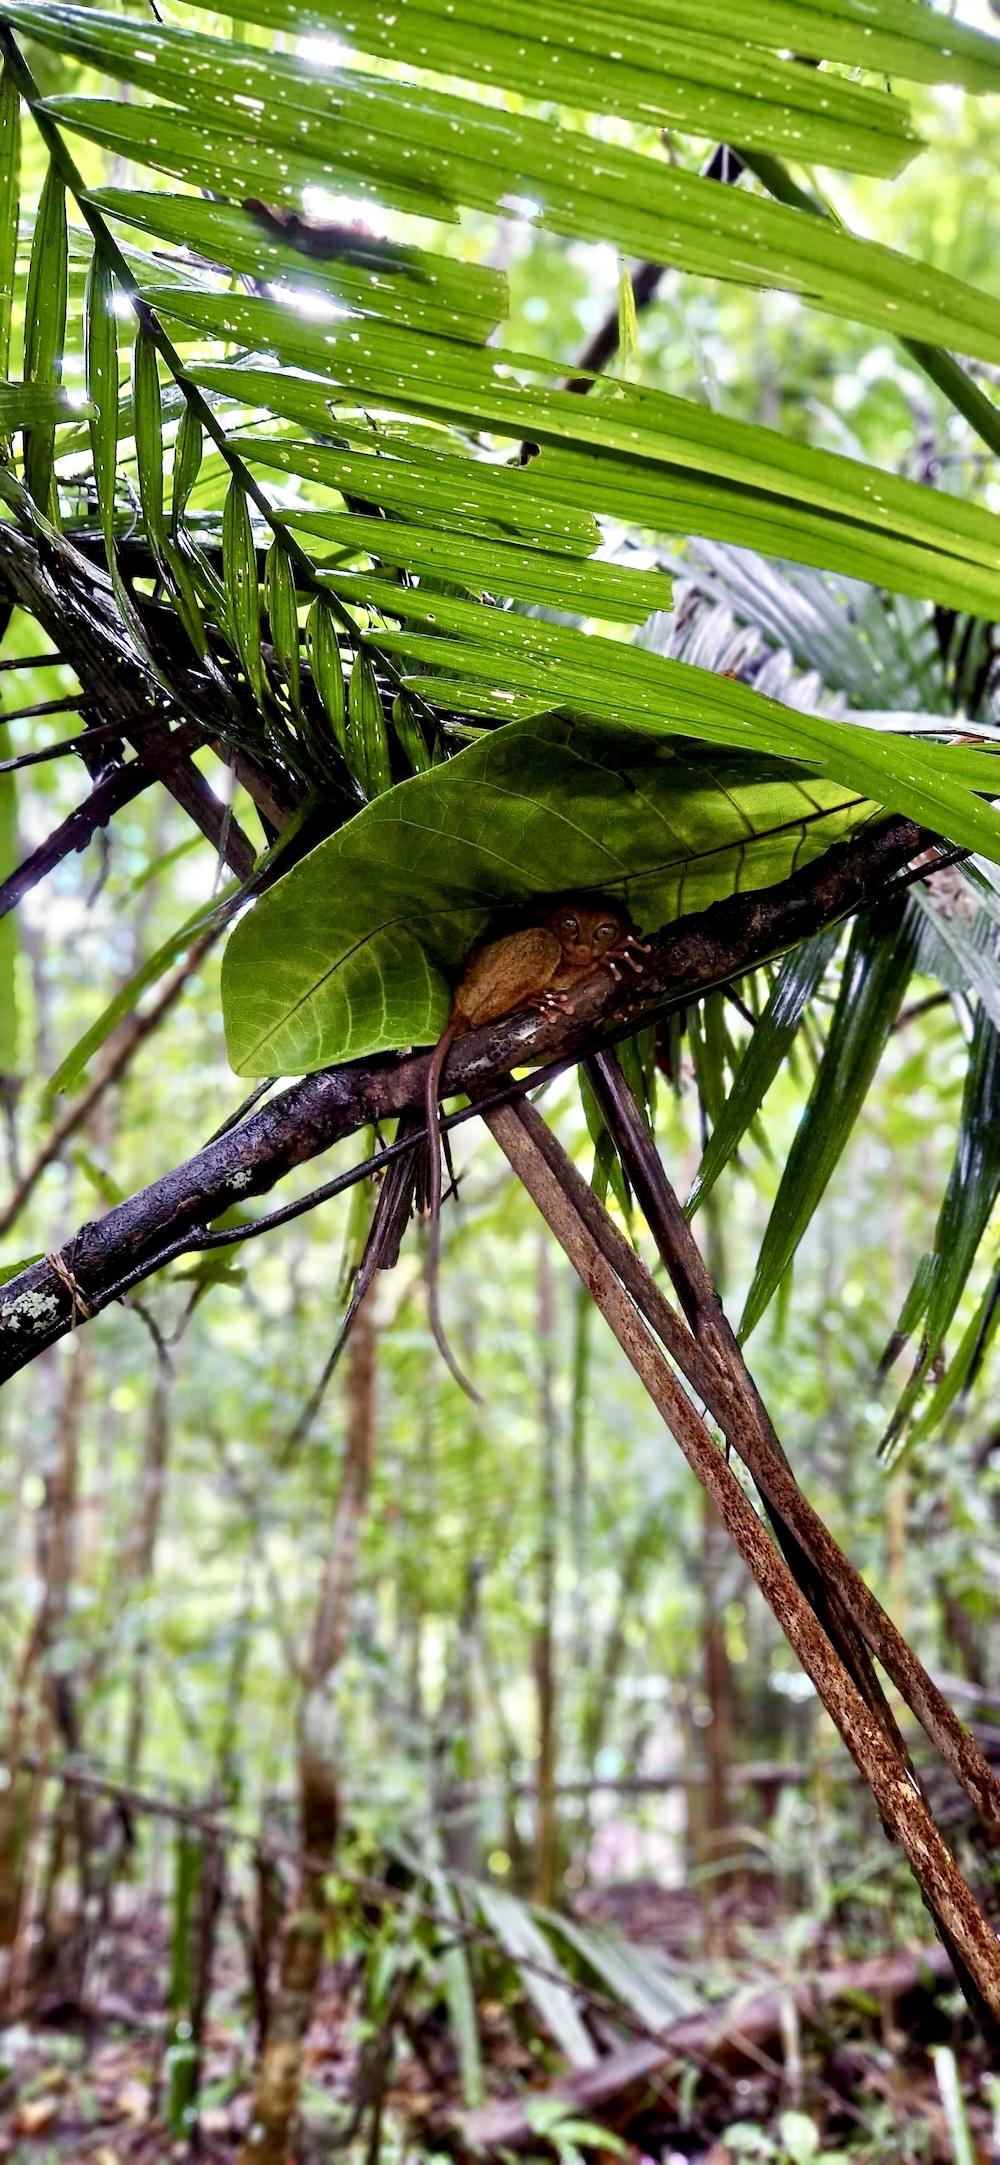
x,y
10,196
969,1200
642,456
774,1035
895,37
562,667
45,327
248,126
877,969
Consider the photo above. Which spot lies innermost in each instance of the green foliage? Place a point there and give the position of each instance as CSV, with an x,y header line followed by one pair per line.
x,y
347,512
772,1040
10,196
10,1047
45,325
966,1209
877,970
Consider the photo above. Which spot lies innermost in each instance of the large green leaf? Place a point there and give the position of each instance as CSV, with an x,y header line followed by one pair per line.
x,y
352,952
877,969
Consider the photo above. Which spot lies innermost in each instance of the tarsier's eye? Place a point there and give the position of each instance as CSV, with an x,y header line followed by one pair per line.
x,y
606,933
571,927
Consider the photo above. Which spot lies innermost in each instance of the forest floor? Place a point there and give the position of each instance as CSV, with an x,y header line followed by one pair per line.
x,y
855,2078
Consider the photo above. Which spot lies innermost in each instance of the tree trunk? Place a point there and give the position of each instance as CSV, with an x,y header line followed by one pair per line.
x,y
139,1555
546,1826
279,2073
52,1679
716,1828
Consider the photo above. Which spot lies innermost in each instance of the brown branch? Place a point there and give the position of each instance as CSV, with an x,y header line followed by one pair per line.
x,y
73,602
714,1365
686,960
961,1923
155,762
726,2035
712,1361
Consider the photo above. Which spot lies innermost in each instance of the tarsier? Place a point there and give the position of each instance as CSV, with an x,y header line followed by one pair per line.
x,y
540,967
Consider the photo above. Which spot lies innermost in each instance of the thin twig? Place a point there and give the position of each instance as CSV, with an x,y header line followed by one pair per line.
x,y
116,789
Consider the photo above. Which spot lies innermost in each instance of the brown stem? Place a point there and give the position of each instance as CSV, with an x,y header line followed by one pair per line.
x,y
708,1322
945,1891
716,1830
747,1429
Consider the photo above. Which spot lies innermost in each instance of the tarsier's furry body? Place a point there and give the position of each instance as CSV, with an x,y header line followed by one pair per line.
x,y
540,966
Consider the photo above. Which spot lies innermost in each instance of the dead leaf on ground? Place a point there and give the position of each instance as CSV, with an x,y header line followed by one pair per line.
x,y
36,2115
216,2120
132,2098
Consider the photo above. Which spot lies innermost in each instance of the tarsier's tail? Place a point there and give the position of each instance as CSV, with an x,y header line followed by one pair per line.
x,y
432,1087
